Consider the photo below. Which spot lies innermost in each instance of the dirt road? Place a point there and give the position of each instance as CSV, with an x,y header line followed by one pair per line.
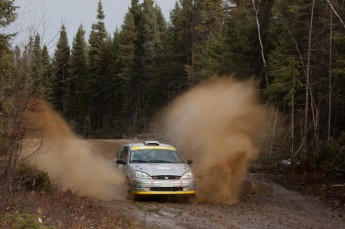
x,y
268,208
263,204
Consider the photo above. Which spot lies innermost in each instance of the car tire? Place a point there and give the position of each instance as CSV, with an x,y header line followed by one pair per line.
x,y
130,195
129,192
191,199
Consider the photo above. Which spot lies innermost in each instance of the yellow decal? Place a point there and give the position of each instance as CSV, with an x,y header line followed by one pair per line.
x,y
152,147
165,193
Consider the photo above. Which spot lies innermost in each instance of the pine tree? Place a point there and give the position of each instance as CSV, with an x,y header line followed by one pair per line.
x,y
60,72
113,90
183,40
175,70
284,68
36,62
152,47
33,65
77,98
107,59
46,72
25,58
128,85
35,57
338,80
239,36
140,61
207,22
158,85
7,16
99,69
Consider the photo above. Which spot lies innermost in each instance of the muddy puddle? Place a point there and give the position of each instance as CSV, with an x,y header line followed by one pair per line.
x,y
256,188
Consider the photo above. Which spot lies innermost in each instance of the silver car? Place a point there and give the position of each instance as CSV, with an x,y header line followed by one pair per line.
x,y
153,168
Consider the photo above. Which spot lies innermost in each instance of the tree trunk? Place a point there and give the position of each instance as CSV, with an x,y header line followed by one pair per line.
x,y
293,112
307,83
260,40
330,82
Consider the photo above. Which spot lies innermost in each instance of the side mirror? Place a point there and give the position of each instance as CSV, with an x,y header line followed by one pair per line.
x,y
189,162
120,162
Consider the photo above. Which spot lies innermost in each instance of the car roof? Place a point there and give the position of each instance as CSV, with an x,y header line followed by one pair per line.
x,y
150,145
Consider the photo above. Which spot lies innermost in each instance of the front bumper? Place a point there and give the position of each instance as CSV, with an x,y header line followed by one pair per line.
x,y
162,187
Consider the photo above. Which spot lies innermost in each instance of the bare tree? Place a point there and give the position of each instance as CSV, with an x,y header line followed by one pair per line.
x,y
259,36
307,84
13,106
330,81
293,112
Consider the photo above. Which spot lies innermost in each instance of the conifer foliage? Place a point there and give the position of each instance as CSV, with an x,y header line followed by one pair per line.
x,y
112,86
60,72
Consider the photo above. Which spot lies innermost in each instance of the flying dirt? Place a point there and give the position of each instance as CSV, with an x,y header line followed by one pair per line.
x,y
220,125
70,161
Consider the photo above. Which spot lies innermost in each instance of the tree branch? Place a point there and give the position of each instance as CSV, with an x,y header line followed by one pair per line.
x,y
335,12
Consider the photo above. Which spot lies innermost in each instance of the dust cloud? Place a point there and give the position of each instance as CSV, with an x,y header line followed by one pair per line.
x,y
71,162
220,125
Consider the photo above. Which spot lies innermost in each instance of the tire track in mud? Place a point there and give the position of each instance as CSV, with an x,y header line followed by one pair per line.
x,y
277,207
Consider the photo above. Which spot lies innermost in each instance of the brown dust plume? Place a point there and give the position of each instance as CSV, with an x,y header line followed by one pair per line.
x,y
220,125
70,161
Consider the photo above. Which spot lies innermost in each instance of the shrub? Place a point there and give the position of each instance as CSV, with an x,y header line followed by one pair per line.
x,y
331,157
33,179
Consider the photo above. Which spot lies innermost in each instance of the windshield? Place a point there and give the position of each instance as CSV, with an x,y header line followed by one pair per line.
x,y
155,156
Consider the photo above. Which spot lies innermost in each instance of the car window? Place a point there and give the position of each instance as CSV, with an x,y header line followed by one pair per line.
x,y
124,153
155,156
137,157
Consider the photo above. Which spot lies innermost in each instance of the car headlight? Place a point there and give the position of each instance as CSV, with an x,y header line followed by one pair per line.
x,y
142,175
187,175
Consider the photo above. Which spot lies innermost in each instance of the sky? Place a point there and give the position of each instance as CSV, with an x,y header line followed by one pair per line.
x,y
46,17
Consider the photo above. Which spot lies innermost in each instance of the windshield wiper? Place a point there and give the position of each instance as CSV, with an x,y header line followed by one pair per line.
x,y
139,161
159,161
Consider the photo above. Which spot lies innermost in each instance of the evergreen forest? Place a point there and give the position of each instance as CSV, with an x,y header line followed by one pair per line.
x,y
112,85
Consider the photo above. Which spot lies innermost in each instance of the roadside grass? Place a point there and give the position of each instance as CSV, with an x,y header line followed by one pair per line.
x,y
18,221
39,209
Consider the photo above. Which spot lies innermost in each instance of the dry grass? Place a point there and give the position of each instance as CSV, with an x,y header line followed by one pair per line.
x,y
56,210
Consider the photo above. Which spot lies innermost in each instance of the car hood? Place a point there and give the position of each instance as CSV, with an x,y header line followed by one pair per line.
x,y
156,169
